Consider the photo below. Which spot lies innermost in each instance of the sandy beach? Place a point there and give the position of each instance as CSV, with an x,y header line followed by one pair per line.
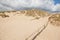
x,y
19,27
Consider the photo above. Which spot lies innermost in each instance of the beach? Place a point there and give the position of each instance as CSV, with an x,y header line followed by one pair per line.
x,y
19,27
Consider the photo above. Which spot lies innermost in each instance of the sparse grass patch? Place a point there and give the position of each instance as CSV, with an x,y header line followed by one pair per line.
x,y
36,13
3,15
30,13
55,19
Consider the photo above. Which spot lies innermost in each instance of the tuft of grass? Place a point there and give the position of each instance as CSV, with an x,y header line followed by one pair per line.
x,y
30,13
35,13
23,11
55,19
3,15
41,13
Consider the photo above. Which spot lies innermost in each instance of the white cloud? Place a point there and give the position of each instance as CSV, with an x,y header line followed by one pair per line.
x,y
2,7
56,7
18,4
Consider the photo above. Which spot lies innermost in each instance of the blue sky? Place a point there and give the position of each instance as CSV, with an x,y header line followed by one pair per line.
x,y
51,5
57,1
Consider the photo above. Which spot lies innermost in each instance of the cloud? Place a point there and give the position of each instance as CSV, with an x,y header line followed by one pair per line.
x,y
21,4
2,7
56,7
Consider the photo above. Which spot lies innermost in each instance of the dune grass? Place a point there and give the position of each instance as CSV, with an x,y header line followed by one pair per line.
x,y
3,15
55,19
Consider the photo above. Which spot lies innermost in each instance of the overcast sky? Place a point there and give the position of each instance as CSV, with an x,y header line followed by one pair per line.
x,y
52,5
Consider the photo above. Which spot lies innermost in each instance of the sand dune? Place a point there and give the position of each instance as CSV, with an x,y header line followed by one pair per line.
x,y
19,25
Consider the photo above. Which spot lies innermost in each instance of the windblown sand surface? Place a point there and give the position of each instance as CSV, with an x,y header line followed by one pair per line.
x,y
19,26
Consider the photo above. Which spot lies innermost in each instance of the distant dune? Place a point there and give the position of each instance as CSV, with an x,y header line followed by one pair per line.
x,y
29,25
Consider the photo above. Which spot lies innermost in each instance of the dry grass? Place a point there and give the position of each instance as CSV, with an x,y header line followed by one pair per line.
x,y
55,19
35,12
23,11
30,13
3,15
41,13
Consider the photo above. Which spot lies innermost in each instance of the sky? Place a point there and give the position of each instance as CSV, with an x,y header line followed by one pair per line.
x,y
57,2
51,5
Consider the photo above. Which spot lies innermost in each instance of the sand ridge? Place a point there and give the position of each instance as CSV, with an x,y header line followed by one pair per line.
x,y
19,25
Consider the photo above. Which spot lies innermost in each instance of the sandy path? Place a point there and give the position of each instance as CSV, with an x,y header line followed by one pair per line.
x,y
19,27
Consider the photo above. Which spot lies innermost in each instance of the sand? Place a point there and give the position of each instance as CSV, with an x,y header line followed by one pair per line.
x,y
19,27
